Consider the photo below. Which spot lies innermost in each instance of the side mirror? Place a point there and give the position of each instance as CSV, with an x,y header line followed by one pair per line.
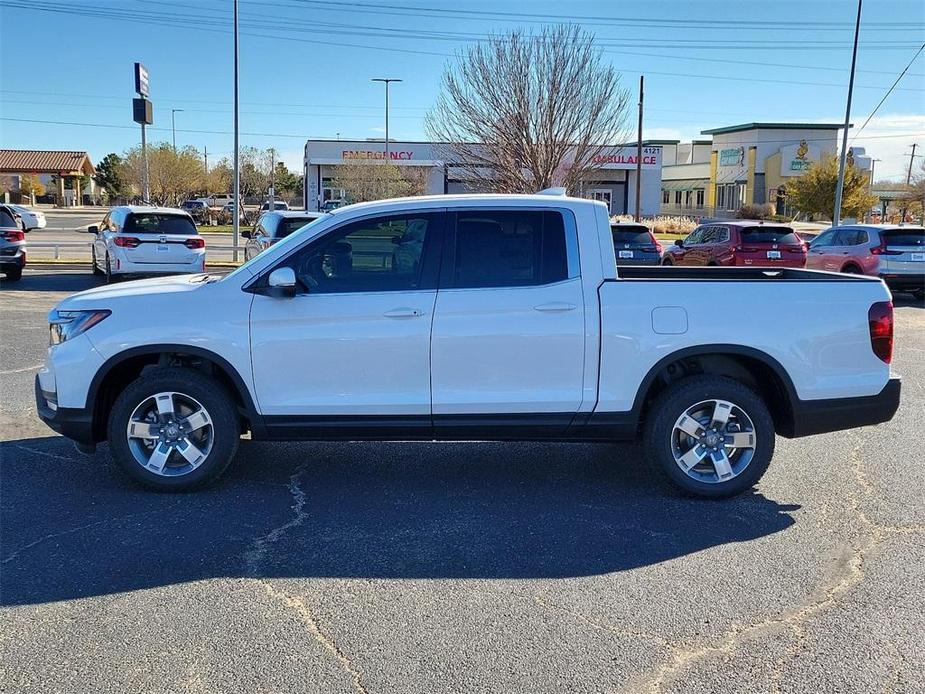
x,y
93,229
281,282
246,234
679,243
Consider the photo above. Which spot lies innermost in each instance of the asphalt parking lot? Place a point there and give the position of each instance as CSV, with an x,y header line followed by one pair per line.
x,y
367,567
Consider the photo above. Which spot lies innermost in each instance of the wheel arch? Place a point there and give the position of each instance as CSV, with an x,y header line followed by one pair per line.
x,y
748,365
122,368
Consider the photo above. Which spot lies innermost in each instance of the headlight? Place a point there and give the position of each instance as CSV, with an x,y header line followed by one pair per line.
x,y
64,325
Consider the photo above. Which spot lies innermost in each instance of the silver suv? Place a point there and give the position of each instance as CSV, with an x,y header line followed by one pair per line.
x,y
12,244
274,226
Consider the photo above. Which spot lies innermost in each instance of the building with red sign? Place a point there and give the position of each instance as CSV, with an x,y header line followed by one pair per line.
x,y
614,181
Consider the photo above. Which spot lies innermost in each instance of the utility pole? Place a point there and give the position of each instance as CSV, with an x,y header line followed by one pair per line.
x,y
639,154
902,214
205,156
272,191
839,188
173,126
387,81
236,217
873,163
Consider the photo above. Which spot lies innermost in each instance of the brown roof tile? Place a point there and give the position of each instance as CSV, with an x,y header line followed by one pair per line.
x,y
36,161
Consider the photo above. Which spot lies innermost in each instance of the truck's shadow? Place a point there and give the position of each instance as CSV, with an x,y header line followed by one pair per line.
x,y
75,527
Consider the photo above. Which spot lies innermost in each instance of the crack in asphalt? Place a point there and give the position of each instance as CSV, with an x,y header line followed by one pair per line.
x,y
258,551
852,574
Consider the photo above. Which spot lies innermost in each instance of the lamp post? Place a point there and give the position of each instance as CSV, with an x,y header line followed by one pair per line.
x,y
236,217
387,81
173,126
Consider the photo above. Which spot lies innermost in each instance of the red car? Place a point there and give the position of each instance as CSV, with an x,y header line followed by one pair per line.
x,y
739,242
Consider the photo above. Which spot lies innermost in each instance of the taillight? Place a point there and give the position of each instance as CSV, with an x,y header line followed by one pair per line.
x,y
14,236
658,248
880,320
883,250
195,243
126,241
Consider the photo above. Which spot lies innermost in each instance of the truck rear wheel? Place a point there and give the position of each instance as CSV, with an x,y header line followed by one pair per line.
x,y
174,429
711,436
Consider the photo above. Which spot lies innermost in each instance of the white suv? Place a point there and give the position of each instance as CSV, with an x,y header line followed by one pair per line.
x,y
148,241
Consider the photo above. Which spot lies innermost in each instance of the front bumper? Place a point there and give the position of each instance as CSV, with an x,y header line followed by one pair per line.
x,y
821,416
74,423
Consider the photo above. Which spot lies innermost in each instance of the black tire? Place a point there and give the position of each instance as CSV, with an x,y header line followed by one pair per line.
x,y
13,274
852,270
918,294
216,400
667,262
94,266
675,401
110,278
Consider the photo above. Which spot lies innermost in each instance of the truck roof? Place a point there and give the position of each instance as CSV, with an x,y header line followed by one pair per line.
x,y
469,199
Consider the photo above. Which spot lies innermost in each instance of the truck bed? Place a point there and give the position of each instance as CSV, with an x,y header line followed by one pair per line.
x,y
733,274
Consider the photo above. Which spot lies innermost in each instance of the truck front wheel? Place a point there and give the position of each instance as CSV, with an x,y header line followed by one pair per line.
x,y
709,435
174,429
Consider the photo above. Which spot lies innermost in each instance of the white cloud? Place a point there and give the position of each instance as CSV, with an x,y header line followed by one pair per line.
x,y
888,137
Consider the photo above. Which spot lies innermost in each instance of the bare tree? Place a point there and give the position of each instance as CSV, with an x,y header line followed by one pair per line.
x,y
377,180
523,112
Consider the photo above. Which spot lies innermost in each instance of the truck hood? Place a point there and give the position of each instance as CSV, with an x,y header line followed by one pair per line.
x,y
99,297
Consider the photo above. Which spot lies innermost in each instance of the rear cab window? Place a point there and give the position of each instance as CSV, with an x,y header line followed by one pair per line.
x,y
770,234
159,223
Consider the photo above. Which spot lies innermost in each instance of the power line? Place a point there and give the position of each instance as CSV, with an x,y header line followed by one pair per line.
x,y
889,91
316,137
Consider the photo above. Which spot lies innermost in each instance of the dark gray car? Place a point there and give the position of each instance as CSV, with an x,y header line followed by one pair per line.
x,y
12,244
273,226
635,244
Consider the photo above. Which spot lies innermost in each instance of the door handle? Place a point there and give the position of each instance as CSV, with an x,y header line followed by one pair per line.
x,y
403,313
555,307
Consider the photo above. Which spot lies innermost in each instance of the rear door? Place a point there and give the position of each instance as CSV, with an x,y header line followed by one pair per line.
x,y
508,335
905,250
162,238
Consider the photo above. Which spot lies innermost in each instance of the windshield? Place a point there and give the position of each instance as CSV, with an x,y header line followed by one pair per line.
x,y
158,223
282,247
763,234
289,225
636,235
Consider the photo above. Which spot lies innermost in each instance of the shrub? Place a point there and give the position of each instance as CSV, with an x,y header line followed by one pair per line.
x,y
756,211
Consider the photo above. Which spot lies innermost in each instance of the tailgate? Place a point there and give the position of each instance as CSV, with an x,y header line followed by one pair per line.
x,y
163,248
904,251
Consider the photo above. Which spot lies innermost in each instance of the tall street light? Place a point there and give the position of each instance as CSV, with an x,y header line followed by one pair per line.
x,y
236,217
173,126
387,81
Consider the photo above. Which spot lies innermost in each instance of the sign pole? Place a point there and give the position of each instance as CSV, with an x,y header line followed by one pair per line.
x,y
146,189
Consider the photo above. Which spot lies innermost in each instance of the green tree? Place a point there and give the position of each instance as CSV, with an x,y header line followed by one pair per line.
x,y
30,185
109,176
172,175
813,193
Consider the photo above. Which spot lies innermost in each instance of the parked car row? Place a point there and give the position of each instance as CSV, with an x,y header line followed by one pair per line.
x,y
894,253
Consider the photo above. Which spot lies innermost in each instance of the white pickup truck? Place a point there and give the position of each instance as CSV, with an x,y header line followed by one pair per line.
x,y
481,317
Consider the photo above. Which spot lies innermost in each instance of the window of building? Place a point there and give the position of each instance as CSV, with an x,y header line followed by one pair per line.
x,y
509,249
677,197
720,197
666,197
699,197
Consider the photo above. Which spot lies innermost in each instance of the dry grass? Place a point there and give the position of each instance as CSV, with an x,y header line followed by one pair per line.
x,y
676,226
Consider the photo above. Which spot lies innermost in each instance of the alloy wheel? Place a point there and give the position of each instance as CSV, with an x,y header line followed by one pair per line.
x,y
170,434
713,441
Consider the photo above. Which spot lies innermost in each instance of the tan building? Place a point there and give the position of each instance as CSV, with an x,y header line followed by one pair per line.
x,y
52,168
744,165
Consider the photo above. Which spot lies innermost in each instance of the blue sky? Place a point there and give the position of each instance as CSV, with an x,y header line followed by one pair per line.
x,y
306,66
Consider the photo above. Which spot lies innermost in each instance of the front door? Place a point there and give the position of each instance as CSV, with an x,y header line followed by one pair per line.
x,y
354,343
509,334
